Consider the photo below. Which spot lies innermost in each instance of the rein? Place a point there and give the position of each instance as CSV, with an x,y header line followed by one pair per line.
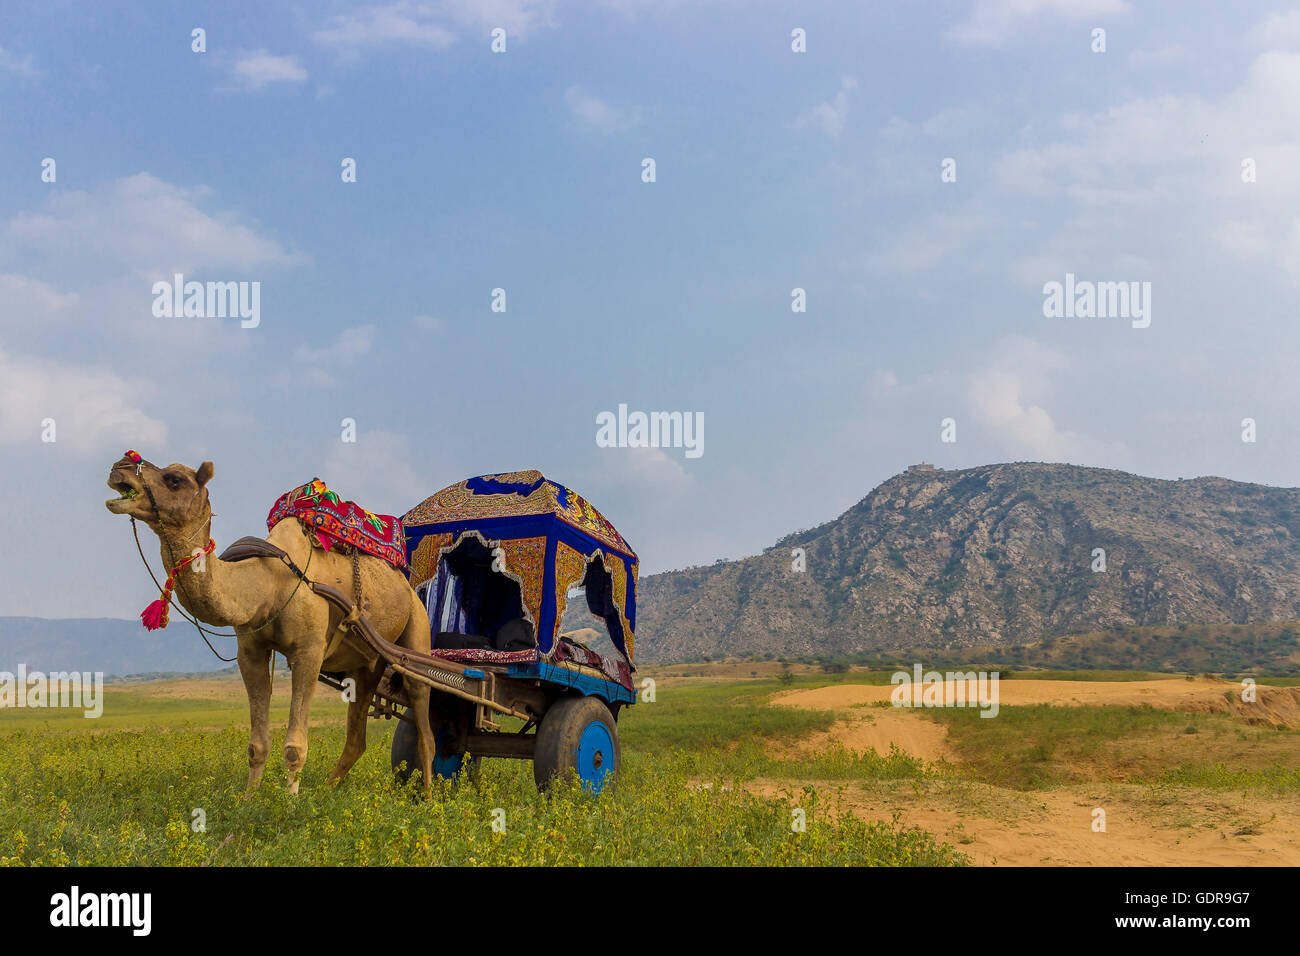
x,y
166,593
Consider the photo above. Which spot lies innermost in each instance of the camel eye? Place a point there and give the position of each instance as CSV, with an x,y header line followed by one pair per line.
x,y
172,481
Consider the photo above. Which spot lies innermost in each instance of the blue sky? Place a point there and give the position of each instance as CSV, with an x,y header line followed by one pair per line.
x,y
522,170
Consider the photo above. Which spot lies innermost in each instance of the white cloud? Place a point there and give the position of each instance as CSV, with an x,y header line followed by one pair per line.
x,y
144,225
1271,94
925,246
403,22
830,116
376,471
993,21
349,346
1159,56
1278,30
647,470
429,323
1153,159
429,24
25,300
596,113
1005,398
1245,240
24,66
254,70
633,9
517,17
884,385
93,409
1147,142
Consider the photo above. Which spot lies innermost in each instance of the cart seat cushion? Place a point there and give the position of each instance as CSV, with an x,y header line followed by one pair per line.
x,y
451,641
515,635
331,520
478,655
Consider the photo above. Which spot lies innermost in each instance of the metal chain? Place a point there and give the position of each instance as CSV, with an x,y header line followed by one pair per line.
x,y
356,575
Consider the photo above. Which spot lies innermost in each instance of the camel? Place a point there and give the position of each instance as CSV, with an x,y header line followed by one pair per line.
x,y
260,599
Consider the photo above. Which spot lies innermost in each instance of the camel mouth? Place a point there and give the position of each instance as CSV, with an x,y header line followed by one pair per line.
x,y
126,490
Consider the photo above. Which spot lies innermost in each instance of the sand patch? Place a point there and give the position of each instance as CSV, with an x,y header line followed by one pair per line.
x,y
878,730
1055,828
1274,706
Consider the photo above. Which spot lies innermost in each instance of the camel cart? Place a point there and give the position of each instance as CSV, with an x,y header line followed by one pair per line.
x,y
531,596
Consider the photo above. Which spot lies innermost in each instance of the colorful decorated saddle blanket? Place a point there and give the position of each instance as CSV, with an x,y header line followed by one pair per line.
x,y
331,520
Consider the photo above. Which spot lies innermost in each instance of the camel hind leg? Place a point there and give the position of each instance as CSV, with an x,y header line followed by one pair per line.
x,y
255,669
419,695
415,637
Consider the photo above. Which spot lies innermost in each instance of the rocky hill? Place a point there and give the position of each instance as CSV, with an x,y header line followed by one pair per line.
x,y
994,555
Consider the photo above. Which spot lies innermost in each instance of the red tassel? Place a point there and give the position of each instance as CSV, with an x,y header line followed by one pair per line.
x,y
155,615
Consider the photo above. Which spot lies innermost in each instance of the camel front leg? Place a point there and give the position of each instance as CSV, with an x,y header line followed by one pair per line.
x,y
305,668
254,668
365,680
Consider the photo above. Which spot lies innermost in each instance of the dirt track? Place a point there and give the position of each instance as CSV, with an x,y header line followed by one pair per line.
x,y
879,729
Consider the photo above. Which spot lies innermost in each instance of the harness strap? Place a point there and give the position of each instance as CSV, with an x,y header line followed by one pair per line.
x,y
341,632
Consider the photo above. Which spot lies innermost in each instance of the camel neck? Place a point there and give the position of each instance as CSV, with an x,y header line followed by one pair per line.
x,y
198,587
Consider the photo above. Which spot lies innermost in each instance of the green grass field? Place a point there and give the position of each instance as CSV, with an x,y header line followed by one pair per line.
x,y
123,790
1043,746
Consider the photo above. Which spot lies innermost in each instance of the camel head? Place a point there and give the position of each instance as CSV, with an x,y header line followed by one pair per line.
x,y
170,498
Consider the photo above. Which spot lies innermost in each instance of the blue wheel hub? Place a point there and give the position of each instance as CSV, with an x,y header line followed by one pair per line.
x,y
444,764
595,756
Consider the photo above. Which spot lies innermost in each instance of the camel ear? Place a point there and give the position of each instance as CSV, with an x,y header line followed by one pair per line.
x,y
204,474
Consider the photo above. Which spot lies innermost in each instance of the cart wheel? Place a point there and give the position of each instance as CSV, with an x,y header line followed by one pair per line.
x,y
406,752
579,734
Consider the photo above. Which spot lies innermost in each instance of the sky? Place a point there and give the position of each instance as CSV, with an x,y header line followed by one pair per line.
x,y
921,171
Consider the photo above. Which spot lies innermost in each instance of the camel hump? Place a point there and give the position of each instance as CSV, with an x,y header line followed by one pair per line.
x,y
252,547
